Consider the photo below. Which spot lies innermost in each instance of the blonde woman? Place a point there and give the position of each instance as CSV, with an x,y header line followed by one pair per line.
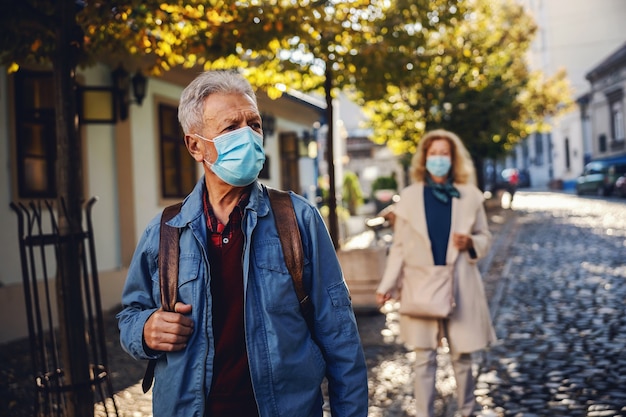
x,y
440,219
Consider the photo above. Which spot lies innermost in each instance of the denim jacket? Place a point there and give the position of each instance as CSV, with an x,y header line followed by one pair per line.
x,y
286,365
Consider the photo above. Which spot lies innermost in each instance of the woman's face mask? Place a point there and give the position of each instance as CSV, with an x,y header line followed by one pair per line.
x,y
240,156
438,165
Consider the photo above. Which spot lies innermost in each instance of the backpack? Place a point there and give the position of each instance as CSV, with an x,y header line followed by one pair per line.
x,y
290,240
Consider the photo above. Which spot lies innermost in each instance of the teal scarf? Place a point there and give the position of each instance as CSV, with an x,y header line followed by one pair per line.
x,y
444,191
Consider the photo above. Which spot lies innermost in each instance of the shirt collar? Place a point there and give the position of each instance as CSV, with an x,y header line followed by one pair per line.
x,y
212,223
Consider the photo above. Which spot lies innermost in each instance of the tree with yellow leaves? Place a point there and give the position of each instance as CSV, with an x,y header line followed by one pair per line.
x,y
416,64
63,34
470,77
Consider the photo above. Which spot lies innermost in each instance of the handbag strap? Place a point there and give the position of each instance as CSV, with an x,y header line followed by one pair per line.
x,y
453,264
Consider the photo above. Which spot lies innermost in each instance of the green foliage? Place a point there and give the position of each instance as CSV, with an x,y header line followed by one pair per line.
x,y
352,193
469,76
384,183
323,186
342,213
414,64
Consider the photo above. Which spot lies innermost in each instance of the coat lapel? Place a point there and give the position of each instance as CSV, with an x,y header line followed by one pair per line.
x,y
413,209
457,212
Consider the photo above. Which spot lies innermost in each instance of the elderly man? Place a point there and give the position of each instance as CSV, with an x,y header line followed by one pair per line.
x,y
237,343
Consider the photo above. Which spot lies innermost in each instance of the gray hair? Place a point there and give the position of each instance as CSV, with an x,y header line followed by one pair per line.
x,y
191,106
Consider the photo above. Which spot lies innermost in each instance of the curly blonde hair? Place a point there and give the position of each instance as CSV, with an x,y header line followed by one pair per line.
x,y
462,171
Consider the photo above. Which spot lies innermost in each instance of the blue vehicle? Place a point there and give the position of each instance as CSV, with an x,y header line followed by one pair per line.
x,y
599,177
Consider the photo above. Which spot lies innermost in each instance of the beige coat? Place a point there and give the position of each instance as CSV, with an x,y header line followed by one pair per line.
x,y
470,327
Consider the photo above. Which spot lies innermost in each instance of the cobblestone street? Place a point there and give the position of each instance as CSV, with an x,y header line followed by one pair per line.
x,y
556,288
560,314
555,281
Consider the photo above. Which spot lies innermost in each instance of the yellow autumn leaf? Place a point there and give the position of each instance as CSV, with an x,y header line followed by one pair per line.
x,y
13,67
274,93
274,45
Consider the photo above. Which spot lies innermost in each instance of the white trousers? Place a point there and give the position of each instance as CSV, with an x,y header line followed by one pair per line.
x,y
424,382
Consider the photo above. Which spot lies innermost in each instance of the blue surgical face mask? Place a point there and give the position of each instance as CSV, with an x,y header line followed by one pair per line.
x,y
438,165
240,156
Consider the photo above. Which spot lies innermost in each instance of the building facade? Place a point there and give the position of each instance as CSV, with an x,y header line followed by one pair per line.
x,y
572,34
365,158
603,109
134,160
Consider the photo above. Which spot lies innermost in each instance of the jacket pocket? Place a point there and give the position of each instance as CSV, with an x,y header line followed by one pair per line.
x,y
269,255
339,295
188,273
271,278
341,307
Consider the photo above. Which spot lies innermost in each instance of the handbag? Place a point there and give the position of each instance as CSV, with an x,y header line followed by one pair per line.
x,y
427,291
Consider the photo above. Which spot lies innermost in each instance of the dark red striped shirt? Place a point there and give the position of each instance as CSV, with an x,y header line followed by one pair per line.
x,y
231,389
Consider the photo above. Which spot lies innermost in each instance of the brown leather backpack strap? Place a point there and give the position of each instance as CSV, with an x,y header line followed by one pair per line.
x,y
168,258
168,274
289,235
291,242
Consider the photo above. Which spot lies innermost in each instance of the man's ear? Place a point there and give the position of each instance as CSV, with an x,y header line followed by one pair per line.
x,y
194,147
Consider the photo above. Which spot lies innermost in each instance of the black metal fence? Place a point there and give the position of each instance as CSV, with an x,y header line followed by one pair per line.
x,y
39,241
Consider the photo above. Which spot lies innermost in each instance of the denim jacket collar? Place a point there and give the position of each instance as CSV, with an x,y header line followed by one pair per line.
x,y
191,210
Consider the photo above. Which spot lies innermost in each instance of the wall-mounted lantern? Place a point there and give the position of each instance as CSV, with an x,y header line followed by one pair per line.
x,y
121,86
139,87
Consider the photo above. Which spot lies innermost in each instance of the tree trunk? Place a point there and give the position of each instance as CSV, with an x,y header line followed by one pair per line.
x,y
479,164
69,195
333,222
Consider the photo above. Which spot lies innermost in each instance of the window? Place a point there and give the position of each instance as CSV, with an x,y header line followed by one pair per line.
x,y
178,168
289,157
525,153
616,110
35,141
602,143
568,162
359,147
538,149
617,121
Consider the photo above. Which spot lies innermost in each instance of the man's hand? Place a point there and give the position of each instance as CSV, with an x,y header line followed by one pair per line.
x,y
167,331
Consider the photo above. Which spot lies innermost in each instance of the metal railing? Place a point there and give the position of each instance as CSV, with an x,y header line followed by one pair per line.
x,y
39,242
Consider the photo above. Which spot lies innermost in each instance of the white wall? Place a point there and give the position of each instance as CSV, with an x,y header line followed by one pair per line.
x,y
10,271
100,177
271,147
145,149
575,35
568,127
600,118
99,168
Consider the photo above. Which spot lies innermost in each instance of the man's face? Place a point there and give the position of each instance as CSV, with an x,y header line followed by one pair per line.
x,y
224,113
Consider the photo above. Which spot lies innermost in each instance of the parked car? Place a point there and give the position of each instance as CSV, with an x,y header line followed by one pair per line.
x,y
599,177
620,186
